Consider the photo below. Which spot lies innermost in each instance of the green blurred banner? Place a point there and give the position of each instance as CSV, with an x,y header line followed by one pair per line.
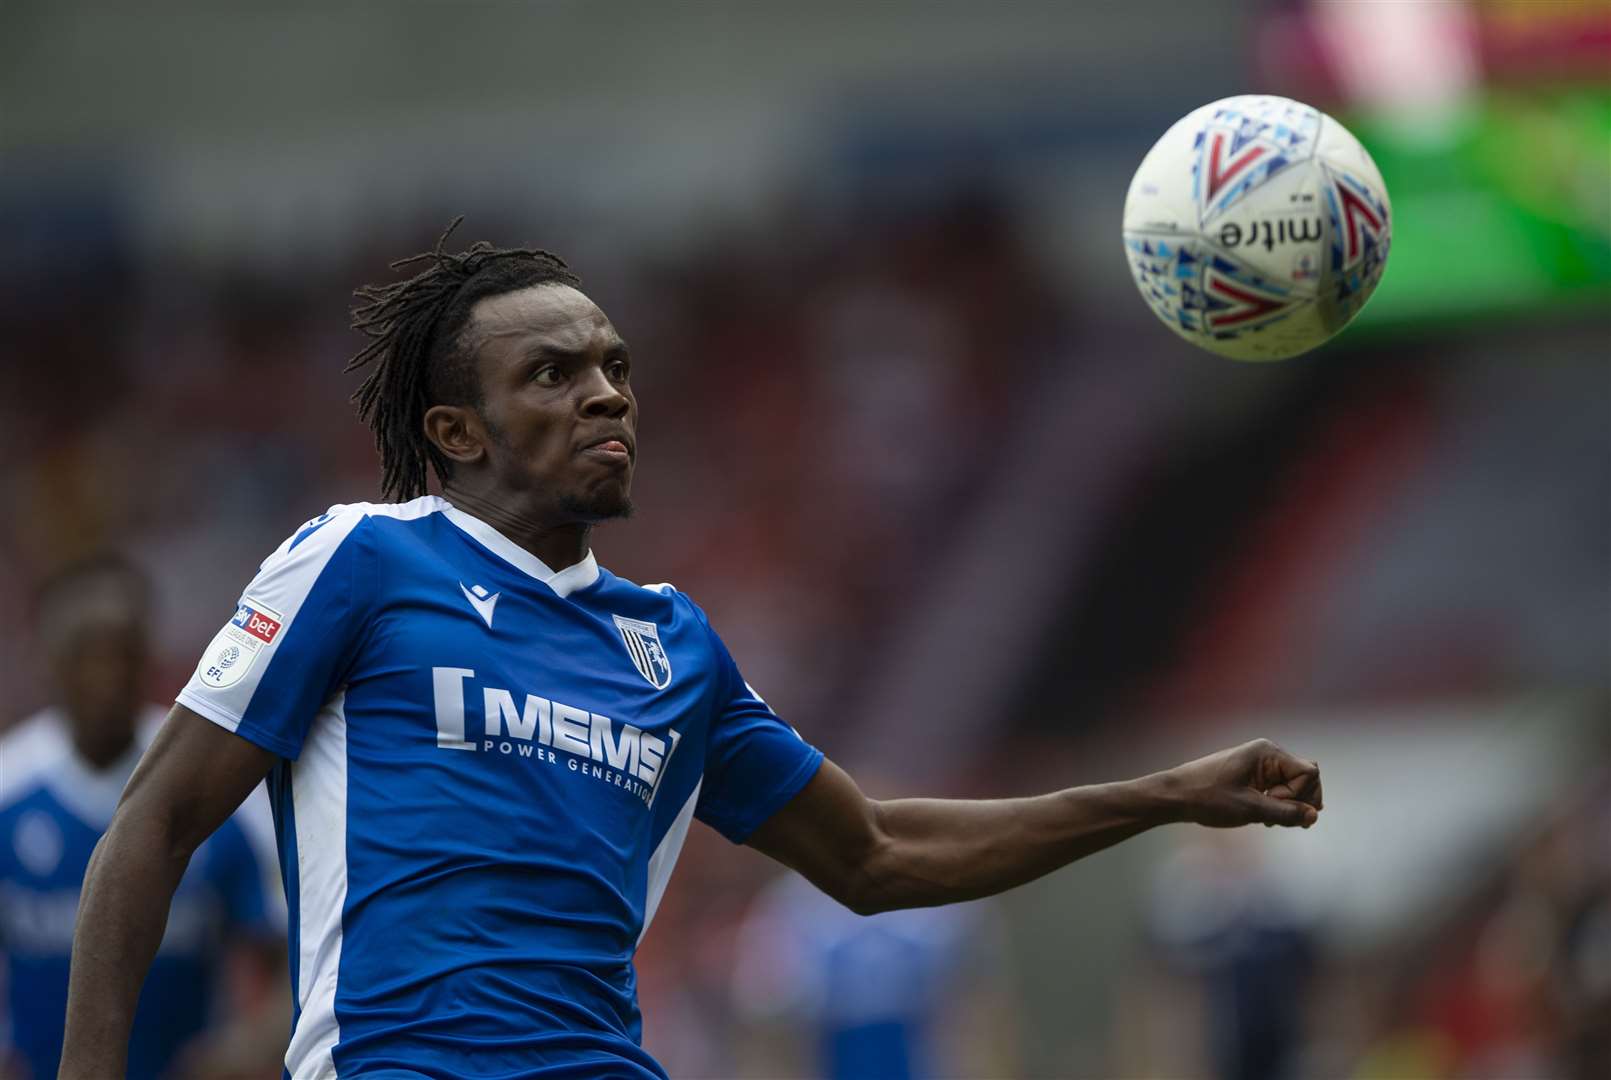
x,y
1511,214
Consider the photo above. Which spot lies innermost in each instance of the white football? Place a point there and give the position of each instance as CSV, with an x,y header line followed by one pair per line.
x,y
1257,227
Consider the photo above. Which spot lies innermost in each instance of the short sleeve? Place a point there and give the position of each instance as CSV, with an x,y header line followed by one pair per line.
x,y
754,762
295,629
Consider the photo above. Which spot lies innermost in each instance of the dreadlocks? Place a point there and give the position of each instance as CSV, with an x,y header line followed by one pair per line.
x,y
416,330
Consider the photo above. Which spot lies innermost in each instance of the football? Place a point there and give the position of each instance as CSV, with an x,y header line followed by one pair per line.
x,y
1257,227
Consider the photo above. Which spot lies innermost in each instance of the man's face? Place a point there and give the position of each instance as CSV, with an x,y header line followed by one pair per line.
x,y
561,418
100,667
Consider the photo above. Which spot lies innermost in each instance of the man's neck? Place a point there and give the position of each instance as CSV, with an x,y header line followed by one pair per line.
x,y
558,546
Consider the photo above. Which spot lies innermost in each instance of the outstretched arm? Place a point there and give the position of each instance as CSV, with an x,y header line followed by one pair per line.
x,y
878,856
192,778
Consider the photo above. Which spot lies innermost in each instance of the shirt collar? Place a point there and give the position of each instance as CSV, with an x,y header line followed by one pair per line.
x,y
92,794
563,582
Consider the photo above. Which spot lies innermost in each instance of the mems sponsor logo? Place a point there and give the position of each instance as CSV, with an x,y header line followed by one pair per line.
x,y
552,732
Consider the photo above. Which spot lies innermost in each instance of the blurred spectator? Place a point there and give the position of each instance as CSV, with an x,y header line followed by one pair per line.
x,y
901,995
62,772
1219,916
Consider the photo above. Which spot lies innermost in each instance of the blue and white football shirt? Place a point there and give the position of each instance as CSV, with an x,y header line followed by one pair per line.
x,y
490,769
53,810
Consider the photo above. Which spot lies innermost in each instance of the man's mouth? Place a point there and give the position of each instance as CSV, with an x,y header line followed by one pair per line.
x,y
611,449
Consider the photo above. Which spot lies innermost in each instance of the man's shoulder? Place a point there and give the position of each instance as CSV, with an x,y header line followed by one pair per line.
x,y
373,526
30,749
661,596
338,521
667,608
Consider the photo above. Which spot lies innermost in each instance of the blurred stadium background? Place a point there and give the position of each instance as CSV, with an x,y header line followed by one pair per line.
x,y
967,515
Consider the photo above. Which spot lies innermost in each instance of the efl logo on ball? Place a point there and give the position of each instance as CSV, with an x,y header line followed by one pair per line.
x,y
1257,227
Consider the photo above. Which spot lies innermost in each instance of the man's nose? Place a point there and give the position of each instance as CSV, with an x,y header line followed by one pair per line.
x,y
602,397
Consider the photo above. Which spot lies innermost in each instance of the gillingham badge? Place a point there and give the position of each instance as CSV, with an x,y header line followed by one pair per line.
x,y
642,641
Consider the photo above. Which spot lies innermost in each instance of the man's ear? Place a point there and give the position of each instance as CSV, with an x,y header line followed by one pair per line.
x,y
458,431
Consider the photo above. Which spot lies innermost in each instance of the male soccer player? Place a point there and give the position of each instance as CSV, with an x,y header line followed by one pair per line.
x,y
61,772
484,750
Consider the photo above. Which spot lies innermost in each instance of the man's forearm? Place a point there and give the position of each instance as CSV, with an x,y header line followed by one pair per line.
x,y
121,918
876,856
939,851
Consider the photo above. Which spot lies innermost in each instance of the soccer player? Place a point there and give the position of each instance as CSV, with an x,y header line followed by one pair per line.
x,y
484,750
61,772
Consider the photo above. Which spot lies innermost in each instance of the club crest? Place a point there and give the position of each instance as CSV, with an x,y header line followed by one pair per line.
x,y
642,641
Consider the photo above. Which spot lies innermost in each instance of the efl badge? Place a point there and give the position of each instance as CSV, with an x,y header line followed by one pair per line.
x,y
235,649
642,640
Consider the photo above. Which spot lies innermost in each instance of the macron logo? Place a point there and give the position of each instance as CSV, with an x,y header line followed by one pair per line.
x,y
482,602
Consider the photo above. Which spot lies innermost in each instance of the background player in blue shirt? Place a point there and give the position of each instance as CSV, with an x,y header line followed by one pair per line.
x,y
483,767
61,772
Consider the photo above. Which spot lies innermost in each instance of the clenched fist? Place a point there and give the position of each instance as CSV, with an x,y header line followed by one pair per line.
x,y
1257,782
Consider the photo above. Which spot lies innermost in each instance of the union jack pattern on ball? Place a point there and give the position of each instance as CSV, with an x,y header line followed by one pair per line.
x,y
1257,227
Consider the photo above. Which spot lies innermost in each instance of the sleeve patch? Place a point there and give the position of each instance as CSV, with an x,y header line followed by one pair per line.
x,y
235,649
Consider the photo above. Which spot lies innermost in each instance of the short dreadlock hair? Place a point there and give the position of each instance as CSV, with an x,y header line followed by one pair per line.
x,y
420,352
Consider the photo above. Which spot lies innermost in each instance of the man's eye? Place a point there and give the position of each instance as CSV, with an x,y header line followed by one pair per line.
x,y
547,376
619,371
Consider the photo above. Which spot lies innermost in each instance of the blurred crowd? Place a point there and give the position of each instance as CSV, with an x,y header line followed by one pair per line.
x,y
812,414
820,418
963,512
1508,977
1517,981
